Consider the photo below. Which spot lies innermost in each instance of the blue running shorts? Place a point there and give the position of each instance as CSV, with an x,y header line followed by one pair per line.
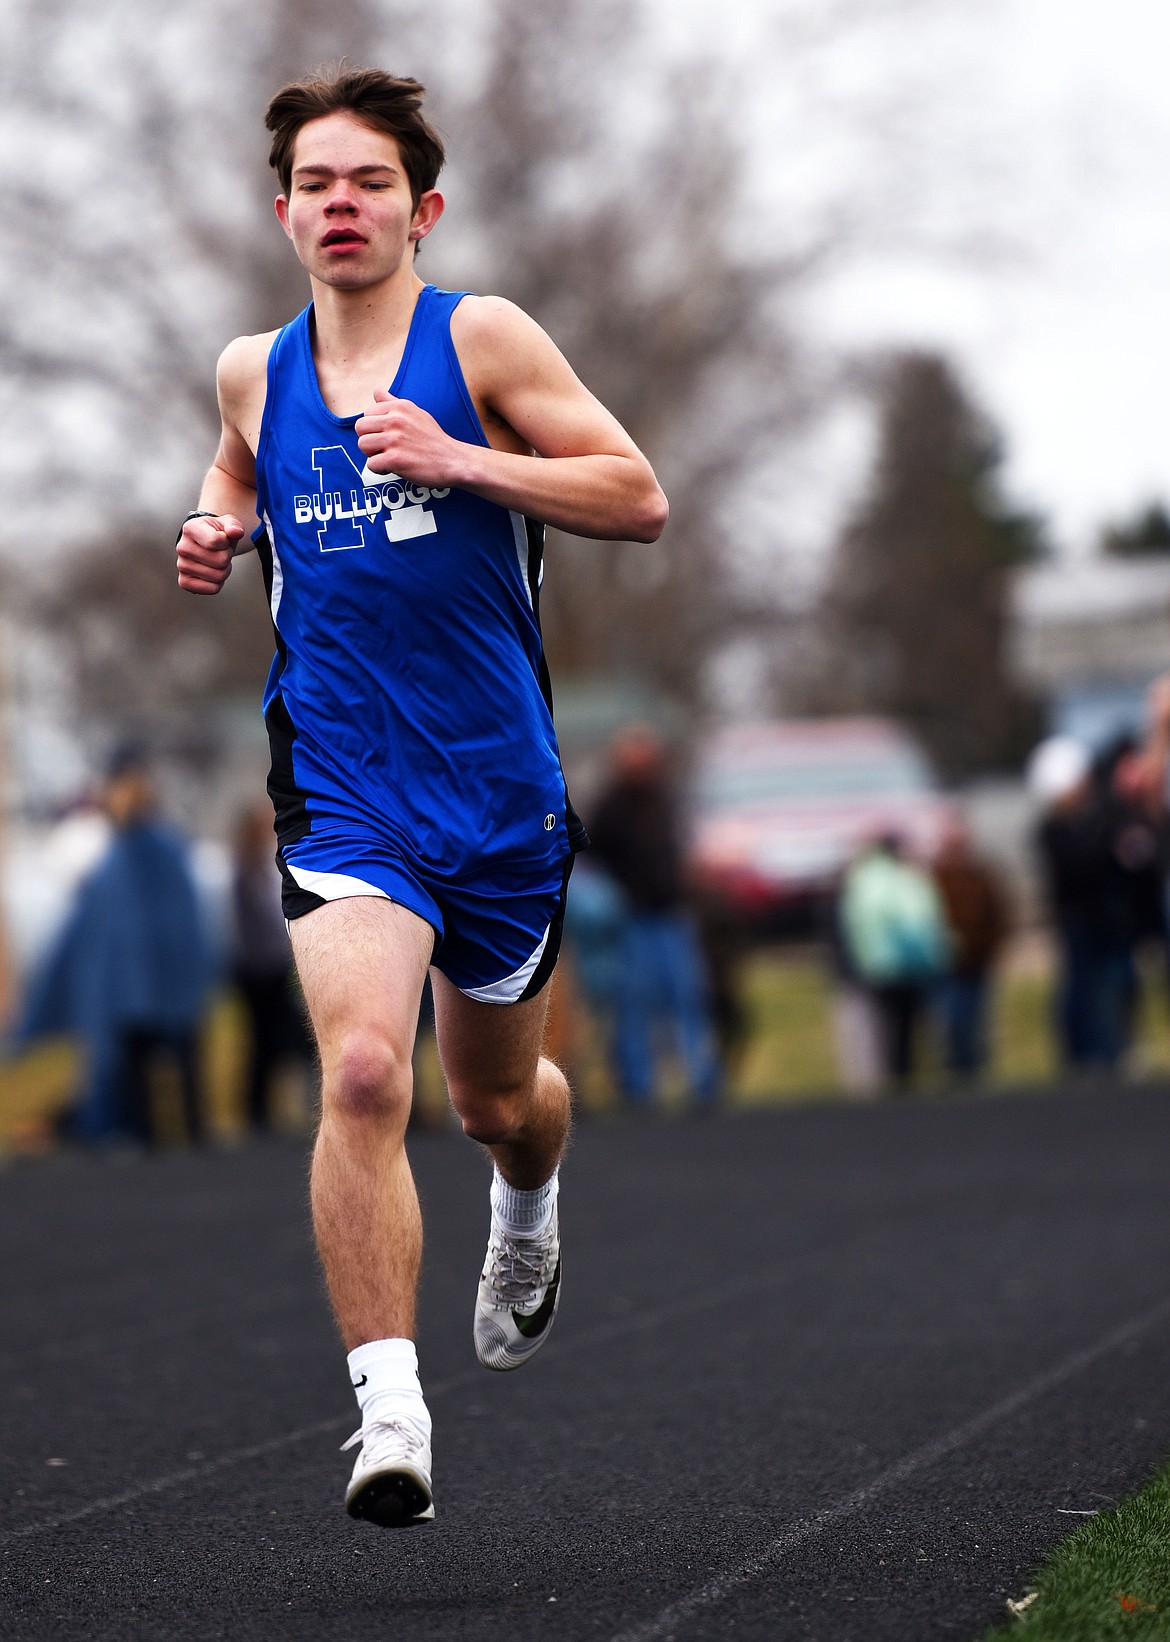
x,y
496,938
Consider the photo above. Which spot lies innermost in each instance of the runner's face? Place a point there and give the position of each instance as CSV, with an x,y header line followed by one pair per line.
x,y
349,211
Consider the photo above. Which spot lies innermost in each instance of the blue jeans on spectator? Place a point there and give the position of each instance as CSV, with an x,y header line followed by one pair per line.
x,y
1095,1000
664,984
962,1007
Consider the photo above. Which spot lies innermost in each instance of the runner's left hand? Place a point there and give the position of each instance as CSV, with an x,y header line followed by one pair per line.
x,y
397,436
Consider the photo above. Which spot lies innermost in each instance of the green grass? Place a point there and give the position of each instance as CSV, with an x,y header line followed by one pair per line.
x,y
789,1054
1109,1579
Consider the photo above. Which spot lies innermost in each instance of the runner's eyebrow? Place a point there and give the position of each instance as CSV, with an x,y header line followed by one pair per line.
x,y
331,171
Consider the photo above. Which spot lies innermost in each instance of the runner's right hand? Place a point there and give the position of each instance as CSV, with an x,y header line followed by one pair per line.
x,y
204,552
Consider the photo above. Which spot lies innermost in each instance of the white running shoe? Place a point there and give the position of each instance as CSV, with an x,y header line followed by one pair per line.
x,y
391,1482
519,1291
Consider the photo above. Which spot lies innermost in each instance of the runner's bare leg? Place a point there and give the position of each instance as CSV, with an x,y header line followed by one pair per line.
x,y
362,963
509,1096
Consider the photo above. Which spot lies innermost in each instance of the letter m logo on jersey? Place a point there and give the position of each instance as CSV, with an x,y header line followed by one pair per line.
x,y
339,506
349,500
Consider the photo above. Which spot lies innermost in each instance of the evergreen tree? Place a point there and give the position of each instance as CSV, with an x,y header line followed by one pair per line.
x,y
1142,537
917,605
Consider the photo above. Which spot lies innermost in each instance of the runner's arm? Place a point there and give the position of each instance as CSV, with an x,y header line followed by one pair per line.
x,y
206,546
587,476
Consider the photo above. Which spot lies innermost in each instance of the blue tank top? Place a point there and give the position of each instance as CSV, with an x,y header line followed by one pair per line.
x,y
409,693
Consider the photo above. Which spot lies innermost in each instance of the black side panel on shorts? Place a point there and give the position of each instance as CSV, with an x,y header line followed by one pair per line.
x,y
552,946
578,837
294,900
292,817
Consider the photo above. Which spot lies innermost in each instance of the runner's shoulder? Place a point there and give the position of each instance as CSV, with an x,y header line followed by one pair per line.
x,y
490,331
243,365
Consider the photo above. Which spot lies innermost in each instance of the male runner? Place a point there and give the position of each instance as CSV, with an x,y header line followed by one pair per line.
x,y
394,452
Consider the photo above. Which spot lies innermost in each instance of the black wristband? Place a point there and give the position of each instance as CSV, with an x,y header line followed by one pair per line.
x,y
196,513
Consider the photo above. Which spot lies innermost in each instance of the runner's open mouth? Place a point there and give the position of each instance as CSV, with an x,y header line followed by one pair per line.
x,y
343,236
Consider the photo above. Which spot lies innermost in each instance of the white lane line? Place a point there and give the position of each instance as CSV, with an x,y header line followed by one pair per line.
x,y
663,1627
175,1479
616,1329
211,1468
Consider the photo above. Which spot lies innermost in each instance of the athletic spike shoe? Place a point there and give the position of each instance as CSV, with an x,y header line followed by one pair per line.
x,y
391,1482
519,1291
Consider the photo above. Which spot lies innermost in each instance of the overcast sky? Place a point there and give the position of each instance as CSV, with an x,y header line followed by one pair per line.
x,y
1006,164
1023,150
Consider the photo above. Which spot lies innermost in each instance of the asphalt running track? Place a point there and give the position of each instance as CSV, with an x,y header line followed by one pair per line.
x,y
832,1373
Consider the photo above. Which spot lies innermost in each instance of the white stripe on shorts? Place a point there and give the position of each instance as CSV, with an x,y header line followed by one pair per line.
x,y
341,886
512,986
333,886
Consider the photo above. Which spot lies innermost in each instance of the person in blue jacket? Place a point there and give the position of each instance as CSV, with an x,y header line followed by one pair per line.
x,y
130,970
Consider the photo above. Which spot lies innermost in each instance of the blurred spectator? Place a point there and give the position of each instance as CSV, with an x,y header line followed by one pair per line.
x,y
724,942
262,964
1060,778
975,907
595,935
896,941
857,1029
636,833
1149,779
130,971
1103,844
1155,750
1139,837
595,928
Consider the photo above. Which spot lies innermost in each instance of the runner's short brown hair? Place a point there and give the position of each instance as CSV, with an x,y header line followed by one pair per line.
x,y
376,98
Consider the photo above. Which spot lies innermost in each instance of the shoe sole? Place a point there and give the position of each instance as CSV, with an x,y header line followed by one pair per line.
x,y
391,1499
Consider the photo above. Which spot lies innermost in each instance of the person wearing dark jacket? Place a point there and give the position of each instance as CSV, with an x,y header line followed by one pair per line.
x,y
1103,846
636,834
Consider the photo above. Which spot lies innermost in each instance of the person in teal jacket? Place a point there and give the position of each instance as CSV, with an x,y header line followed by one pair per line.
x,y
895,934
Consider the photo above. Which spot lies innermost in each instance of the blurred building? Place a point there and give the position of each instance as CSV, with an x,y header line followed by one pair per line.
x,y
1088,637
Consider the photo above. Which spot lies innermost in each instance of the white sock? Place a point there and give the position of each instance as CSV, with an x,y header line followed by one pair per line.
x,y
384,1376
524,1214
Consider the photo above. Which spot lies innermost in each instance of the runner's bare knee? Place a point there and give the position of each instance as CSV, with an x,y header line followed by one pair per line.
x,y
491,1116
368,1079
